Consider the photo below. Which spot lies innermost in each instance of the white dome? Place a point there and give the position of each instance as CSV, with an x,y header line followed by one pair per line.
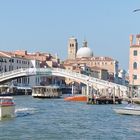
x,y
84,52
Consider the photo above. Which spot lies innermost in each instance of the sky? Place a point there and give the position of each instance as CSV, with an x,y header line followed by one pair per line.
x,y
46,26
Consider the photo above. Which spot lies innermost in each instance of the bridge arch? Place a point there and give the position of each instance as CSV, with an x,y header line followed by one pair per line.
x,y
89,81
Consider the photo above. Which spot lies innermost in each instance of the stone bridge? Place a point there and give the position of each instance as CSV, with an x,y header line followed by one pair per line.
x,y
98,84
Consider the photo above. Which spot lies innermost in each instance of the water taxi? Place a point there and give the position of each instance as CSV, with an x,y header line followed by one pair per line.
x,y
7,107
46,91
128,110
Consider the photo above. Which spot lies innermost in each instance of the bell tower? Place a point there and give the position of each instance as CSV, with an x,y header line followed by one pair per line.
x,y
72,48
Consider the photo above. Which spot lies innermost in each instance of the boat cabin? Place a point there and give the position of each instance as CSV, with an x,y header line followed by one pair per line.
x,y
46,91
6,101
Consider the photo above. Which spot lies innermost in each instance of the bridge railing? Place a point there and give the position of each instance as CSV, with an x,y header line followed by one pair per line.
x,y
70,73
90,79
12,72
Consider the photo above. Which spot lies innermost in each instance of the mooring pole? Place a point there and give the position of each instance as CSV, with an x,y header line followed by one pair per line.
x,y
87,91
114,95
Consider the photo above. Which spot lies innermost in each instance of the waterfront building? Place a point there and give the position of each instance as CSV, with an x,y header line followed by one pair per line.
x,y
134,62
21,59
12,61
84,55
82,68
100,73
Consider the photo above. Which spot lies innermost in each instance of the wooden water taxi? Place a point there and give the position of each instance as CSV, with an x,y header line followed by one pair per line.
x,y
7,107
46,92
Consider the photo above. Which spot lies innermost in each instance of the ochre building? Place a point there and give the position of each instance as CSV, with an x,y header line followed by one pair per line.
x,y
84,55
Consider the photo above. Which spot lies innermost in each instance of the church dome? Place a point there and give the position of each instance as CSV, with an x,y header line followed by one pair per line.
x,y
84,51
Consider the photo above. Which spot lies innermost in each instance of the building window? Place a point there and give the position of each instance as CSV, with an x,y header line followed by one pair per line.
x,y
71,45
135,52
134,77
135,65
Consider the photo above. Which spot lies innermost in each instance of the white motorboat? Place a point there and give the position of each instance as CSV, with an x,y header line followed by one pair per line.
x,y
128,110
7,107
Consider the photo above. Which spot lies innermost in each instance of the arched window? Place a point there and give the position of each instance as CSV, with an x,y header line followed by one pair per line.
x,y
135,65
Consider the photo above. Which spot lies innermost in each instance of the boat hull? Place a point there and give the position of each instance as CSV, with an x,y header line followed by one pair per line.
x,y
77,98
127,111
7,111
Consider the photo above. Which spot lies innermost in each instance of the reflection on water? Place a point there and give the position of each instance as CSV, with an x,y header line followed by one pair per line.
x,y
53,119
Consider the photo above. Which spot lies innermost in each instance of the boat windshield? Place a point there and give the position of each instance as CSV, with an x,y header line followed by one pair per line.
x,y
6,100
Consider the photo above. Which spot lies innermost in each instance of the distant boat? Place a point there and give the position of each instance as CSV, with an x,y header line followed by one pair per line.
x,y
7,107
78,98
51,91
128,110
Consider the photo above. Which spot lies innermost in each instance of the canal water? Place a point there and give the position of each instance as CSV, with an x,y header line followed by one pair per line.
x,y
56,119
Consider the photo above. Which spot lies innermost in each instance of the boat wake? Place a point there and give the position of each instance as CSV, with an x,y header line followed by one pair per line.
x,y
22,112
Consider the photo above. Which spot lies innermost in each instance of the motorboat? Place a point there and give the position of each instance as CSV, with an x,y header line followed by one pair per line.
x,y
78,98
128,110
7,107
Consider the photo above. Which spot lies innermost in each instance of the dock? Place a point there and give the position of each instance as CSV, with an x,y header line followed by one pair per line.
x,y
6,90
104,100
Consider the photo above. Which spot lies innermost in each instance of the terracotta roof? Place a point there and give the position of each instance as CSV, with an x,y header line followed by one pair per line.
x,y
8,54
3,55
101,58
25,55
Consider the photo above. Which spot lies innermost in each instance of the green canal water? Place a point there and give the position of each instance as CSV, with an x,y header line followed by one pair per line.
x,y
56,119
